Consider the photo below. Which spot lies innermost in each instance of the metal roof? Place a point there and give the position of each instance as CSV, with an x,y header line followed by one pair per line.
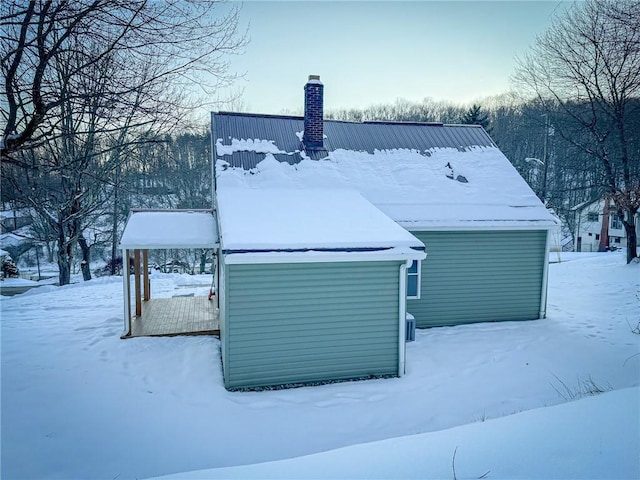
x,y
367,136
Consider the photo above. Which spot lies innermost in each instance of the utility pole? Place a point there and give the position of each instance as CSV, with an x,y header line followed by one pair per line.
x,y
603,246
545,167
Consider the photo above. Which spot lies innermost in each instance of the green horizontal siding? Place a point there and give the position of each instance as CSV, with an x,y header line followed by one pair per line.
x,y
289,323
480,276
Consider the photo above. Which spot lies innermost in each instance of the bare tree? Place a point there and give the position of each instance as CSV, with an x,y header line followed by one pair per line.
x,y
85,78
587,66
184,42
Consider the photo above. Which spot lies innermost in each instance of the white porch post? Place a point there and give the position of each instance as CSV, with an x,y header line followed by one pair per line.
x,y
138,291
127,293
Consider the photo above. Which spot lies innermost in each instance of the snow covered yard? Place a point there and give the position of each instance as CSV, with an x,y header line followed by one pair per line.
x,y
78,402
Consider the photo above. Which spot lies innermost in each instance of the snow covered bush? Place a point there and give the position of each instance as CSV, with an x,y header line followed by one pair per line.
x,y
9,268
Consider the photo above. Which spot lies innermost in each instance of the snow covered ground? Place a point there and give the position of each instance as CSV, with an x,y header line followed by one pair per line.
x,y
78,402
582,439
17,282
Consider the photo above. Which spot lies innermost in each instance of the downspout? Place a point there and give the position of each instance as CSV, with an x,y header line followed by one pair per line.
x,y
545,278
127,295
402,330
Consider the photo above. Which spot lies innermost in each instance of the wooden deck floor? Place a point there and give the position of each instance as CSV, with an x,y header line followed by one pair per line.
x,y
177,316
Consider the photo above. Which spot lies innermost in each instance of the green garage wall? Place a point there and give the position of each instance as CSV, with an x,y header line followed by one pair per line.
x,y
288,323
471,276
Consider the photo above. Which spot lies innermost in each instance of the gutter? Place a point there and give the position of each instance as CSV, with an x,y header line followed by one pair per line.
x,y
403,254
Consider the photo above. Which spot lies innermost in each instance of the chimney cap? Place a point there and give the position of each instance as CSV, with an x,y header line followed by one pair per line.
x,y
314,79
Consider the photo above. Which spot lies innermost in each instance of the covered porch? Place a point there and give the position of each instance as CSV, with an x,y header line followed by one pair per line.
x,y
178,315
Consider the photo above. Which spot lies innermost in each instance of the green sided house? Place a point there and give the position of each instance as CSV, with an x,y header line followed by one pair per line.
x,y
486,233
332,237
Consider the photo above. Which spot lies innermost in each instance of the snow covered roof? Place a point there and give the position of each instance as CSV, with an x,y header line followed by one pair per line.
x,y
587,204
149,229
268,220
11,239
423,176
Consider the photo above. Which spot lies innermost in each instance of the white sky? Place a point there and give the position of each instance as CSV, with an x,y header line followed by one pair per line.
x,y
375,52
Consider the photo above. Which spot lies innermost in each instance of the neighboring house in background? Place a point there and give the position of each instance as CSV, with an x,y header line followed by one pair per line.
x,y
588,221
14,219
11,240
322,227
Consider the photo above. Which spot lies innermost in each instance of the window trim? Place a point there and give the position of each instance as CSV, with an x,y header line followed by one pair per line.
x,y
418,275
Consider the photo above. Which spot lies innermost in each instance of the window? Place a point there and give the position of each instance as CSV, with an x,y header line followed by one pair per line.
x,y
616,239
592,216
413,280
616,222
597,236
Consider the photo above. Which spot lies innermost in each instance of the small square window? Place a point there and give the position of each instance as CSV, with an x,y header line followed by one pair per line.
x,y
597,236
616,239
413,280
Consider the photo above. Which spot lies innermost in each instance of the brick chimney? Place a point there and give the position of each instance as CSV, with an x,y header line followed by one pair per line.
x,y
313,127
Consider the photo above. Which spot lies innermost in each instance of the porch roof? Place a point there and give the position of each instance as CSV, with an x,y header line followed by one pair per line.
x,y
158,229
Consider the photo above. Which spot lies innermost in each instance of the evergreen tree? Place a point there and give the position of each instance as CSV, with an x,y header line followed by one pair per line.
x,y
9,268
476,116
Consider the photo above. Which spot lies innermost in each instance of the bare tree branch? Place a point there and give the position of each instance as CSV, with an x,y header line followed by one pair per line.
x,y
588,64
